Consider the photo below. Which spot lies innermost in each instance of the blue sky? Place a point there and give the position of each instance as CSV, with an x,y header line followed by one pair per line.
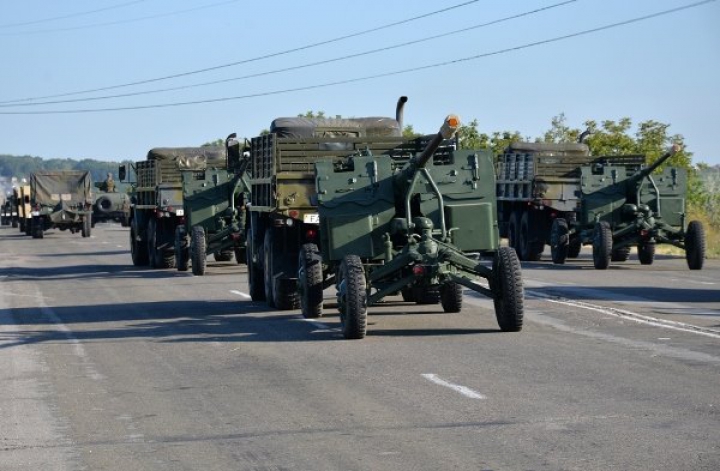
x,y
665,68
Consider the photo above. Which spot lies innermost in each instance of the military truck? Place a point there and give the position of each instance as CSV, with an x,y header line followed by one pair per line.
x,y
24,208
283,211
61,199
538,183
112,205
157,203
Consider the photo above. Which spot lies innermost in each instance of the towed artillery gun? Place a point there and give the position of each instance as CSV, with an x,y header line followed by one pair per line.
x,y
420,226
214,206
623,207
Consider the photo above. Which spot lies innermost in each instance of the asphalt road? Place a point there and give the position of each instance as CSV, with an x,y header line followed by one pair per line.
x,y
105,366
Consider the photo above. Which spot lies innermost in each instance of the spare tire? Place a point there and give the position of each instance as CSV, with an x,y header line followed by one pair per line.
x,y
103,204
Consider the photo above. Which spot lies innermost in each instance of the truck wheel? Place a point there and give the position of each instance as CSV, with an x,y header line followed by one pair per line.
x,y
451,297
602,245
223,256
151,243
37,228
138,250
87,225
352,298
559,241
268,275
14,222
508,292
620,254
695,245
282,294
255,273
197,250
646,253
310,281
530,248
182,251
426,294
574,247
514,231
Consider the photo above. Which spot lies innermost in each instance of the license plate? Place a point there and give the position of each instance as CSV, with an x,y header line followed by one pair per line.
x,y
312,218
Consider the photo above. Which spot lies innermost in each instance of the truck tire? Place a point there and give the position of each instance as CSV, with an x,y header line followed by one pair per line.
x,y
559,241
157,257
103,205
602,245
620,254
14,222
514,231
310,281
223,256
352,298
451,297
695,245
38,229
87,225
574,247
268,278
138,250
508,292
182,250
426,294
530,247
198,246
277,293
646,253
255,273
240,255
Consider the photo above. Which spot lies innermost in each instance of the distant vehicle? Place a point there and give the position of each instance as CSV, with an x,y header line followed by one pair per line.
x,y
61,199
112,205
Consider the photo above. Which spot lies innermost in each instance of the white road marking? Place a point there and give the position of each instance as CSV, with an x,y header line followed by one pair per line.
x,y
317,324
465,391
241,294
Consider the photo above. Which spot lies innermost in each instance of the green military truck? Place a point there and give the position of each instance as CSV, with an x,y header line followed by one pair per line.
x,y
157,201
61,199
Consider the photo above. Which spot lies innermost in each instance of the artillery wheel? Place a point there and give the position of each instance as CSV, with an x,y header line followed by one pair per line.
x,y
138,251
255,273
426,294
310,281
408,294
352,298
451,297
198,246
530,250
574,247
646,253
559,241
514,231
620,254
695,245
602,245
508,292
223,256
87,225
182,250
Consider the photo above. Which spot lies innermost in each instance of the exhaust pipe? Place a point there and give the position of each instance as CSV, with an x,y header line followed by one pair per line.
x,y
399,111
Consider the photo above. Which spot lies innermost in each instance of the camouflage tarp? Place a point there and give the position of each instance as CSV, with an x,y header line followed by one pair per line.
x,y
190,158
301,127
50,188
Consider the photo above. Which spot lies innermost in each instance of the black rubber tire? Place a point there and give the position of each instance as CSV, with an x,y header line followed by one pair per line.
x,y
14,222
530,247
426,294
602,245
138,250
508,290
240,255
408,294
646,253
87,225
559,241
451,297
574,247
310,281
223,256
352,300
38,231
28,227
198,246
514,231
255,272
151,243
620,254
268,279
103,205
695,245
182,249
277,293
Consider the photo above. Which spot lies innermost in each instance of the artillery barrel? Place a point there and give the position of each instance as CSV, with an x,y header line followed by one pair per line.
x,y
642,173
448,129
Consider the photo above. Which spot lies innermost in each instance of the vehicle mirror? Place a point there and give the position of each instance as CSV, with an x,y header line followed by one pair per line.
x,y
122,173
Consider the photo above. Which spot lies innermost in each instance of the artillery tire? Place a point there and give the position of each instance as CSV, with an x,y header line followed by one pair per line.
x,y
408,294
87,225
451,297
508,292
646,253
182,251
310,281
223,256
621,254
530,249
426,294
695,245
197,250
352,299
255,273
602,245
138,251
559,241
574,247
514,231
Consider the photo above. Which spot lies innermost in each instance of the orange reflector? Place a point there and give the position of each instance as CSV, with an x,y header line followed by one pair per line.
x,y
453,121
294,213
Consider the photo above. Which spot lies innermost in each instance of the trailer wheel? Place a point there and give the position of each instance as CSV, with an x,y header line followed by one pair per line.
x,y
508,292
530,249
646,253
602,245
620,254
138,251
451,297
559,241
255,273
574,247
87,225
223,256
695,245
198,247
352,298
310,281
182,250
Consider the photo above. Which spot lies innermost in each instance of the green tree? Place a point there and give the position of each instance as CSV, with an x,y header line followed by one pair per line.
x,y
409,133
216,143
313,114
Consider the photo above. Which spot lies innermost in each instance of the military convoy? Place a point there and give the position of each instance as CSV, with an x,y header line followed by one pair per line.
x,y
60,199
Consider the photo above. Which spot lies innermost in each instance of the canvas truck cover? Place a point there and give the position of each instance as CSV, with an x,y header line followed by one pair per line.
x,y
300,127
190,158
69,186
